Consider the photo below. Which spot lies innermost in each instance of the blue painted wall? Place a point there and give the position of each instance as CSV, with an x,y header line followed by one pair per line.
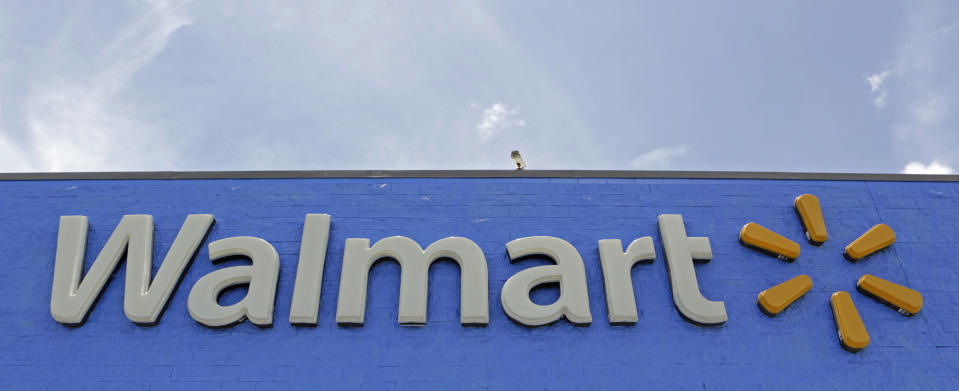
x,y
796,350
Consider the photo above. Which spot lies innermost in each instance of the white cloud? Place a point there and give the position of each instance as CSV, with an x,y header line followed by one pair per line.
x,y
875,82
11,157
660,158
924,111
932,168
76,122
498,117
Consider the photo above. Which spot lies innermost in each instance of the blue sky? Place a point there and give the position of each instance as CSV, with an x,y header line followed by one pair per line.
x,y
822,86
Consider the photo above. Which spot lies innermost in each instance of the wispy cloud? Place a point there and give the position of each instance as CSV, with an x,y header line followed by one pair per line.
x,y
75,121
875,82
496,118
926,97
11,156
931,168
660,158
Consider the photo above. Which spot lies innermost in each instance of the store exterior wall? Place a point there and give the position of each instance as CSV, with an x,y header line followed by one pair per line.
x,y
798,349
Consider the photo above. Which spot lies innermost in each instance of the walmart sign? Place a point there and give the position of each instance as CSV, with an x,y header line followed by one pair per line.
x,y
73,296
552,282
144,299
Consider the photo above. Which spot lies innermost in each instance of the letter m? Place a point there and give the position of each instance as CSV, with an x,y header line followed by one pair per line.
x,y
359,257
73,297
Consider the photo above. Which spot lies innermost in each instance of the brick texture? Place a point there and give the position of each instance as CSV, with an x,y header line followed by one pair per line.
x,y
796,350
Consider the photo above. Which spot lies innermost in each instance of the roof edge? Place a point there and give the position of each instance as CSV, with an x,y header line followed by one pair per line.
x,y
303,174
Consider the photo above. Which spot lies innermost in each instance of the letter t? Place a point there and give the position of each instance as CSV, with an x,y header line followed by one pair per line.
x,y
680,252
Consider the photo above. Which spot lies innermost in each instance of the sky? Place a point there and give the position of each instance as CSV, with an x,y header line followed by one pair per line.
x,y
802,86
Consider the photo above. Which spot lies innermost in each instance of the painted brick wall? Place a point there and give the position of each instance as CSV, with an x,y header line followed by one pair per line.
x,y
796,350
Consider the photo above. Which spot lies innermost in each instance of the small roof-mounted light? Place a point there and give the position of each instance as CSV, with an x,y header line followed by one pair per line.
x,y
520,165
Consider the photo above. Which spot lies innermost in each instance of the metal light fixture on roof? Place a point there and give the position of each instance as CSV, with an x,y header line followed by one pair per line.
x,y
520,165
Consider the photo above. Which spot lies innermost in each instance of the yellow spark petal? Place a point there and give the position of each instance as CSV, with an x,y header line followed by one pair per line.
x,y
875,239
906,301
774,300
852,332
755,235
810,214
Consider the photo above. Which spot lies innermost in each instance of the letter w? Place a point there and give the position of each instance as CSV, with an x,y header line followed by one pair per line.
x,y
72,297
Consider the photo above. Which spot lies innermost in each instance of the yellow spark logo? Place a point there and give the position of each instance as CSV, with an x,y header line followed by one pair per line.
x,y
852,332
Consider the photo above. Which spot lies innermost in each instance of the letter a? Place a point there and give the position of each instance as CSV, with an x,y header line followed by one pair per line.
x,y
568,271
261,276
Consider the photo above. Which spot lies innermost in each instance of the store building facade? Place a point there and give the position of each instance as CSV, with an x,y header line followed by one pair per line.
x,y
640,279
